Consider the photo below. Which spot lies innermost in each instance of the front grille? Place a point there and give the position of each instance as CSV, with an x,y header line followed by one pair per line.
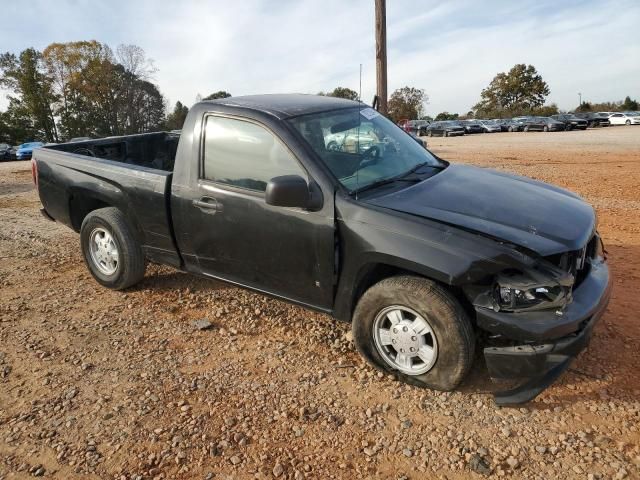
x,y
576,262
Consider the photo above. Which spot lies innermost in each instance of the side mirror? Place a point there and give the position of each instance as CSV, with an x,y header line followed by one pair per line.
x,y
293,191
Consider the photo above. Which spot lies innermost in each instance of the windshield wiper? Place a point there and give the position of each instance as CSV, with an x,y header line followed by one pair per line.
x,y
403,177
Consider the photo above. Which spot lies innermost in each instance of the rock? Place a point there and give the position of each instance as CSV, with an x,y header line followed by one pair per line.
x,y
70,393
541,450
622,473
479,465
202,324
235,460
513,462
277,470
407,452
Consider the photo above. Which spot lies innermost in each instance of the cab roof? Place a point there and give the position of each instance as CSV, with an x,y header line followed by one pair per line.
x,y
287,105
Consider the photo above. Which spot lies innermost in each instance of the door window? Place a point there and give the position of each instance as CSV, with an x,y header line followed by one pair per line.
x,y
244,154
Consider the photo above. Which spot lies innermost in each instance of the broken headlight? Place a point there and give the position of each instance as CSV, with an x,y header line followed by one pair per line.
x,y
536,290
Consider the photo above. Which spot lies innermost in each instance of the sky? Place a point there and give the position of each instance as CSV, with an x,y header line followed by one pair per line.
x,y
450,49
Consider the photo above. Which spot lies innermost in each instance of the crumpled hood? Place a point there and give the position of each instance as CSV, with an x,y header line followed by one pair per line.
x,y
532,214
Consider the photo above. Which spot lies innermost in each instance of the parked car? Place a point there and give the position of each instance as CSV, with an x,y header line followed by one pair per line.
x,y
26,149
542,124
445,128
424,258
490,126
570,121
417,127
471,126
361,139
5,151
509,125
594,119
625,118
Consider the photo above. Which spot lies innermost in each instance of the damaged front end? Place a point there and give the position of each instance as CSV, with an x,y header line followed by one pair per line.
x,y
538,315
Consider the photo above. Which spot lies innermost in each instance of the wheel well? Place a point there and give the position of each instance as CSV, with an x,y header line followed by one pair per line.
x,y
373,274
80,206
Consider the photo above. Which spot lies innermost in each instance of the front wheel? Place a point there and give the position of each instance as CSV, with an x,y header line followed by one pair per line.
x,y
526,129
112,253
445,134
628,122
416,330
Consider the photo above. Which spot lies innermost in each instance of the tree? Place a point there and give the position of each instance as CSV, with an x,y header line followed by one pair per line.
x,y
545,110
218,94
584,107
26,77
629,105
516,92
407,102
446,116
176,119
16,124
342,92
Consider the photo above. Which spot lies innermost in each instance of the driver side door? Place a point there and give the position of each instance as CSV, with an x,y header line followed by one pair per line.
x,y
287,252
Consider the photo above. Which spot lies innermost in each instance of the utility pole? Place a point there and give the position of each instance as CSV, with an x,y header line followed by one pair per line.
x,y
580,97
381,55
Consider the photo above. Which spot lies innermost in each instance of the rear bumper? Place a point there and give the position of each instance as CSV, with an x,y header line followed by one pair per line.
x,y
549,342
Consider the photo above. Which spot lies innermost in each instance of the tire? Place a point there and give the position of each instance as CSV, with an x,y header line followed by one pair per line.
x,y
452,330
526,128
568,128
511,129
430,133
628,122
545,129
445,134
110,225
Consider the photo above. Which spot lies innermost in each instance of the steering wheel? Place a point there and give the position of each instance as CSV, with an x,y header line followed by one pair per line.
x,y
370,156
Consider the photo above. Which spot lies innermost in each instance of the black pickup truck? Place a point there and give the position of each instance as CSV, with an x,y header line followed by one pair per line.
x,y
426,259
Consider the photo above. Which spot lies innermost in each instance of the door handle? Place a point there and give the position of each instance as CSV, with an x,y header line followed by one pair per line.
x,y
208,203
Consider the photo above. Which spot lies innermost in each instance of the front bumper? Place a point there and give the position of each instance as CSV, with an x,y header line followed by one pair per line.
x,y
547,341
23,156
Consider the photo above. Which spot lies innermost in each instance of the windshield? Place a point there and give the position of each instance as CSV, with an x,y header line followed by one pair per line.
x,y
361,147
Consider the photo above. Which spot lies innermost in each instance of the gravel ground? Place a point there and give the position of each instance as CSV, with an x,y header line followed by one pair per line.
x,y
102,384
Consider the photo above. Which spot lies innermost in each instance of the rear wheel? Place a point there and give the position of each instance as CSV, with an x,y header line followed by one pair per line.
x,y
511,129
526,128
110,250
545,129
628,122
414,329
445,134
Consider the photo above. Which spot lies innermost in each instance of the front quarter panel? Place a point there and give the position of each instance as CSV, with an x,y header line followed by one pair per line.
x,y
370,236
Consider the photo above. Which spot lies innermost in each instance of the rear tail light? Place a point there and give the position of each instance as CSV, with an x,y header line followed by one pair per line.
x,y
34,172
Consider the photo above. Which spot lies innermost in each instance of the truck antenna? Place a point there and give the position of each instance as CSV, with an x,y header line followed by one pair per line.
x,y
358,132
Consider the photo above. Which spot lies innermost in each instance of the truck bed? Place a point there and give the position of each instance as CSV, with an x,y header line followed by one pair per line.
x,y
152,150
75,178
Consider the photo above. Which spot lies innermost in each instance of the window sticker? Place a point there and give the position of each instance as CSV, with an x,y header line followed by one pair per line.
x,y
369,113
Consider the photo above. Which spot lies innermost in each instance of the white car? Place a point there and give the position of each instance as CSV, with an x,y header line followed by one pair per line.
x,y
490,126
625,118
